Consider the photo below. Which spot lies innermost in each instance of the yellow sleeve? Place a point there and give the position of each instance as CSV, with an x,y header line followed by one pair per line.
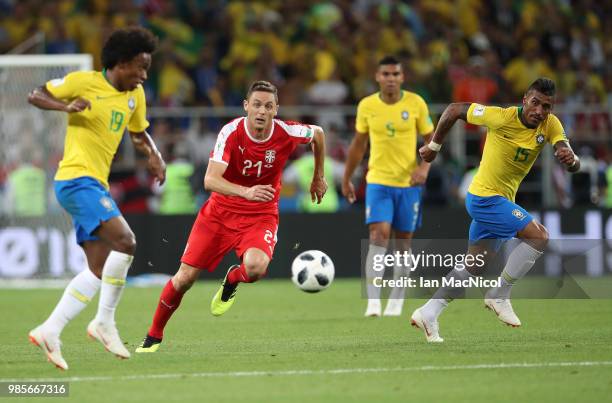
x,y
68,87
424,123
489,116
555,131
138,122
361,123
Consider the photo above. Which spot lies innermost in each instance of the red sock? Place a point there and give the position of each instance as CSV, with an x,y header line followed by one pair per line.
x,y
239,276
169,301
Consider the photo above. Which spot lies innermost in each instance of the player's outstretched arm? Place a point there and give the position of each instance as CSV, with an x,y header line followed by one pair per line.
x,y
41,98
144,143
451,114
356,151
215,182
566,156
318,186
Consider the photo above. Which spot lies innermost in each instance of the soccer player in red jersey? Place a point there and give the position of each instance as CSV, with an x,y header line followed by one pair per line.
x,y
244,173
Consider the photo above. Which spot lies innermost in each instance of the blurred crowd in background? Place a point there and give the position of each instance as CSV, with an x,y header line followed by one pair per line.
x,y
325,53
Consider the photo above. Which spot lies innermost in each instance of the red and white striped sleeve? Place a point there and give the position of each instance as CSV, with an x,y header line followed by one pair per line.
x,y
222,151
300,132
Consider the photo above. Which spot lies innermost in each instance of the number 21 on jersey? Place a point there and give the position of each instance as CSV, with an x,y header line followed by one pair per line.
x,y
248,164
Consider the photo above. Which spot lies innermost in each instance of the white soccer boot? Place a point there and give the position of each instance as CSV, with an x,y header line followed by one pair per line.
x,y
50,345
394,307
430,328
109,337
373,308
503,310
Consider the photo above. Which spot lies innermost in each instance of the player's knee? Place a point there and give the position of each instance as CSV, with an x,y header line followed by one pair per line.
x,y
126,243
475,270
379,237
543,234
541,237
256,267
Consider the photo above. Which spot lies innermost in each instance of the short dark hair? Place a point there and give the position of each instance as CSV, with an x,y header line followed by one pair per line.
x,y
387,60
544,85
125,44
264,86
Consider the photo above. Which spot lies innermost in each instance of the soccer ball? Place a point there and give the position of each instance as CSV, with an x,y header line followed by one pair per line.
x,y
312,271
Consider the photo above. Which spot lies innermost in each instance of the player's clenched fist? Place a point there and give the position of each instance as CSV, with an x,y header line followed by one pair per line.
x,y
427,154
261,193
565,156
78,105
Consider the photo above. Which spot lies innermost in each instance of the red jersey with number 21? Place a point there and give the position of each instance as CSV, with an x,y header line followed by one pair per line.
x,y
253,162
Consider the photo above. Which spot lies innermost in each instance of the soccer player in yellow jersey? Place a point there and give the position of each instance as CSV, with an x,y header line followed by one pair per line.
x,y
515,137
100,106
390,120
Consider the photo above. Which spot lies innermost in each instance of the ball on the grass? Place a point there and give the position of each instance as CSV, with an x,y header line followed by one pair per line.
x,y
312,271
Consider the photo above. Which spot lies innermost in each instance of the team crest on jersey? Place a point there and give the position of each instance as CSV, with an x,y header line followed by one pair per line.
x,y
270,156
106,203
131,103
405,115
518,214
540,138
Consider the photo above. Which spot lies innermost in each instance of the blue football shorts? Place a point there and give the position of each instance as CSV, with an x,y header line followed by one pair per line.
x,y
495,217
88,203
400,206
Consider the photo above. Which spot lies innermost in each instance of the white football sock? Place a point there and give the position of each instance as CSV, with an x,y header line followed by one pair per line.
x,y
399,292
81,289
371,274
434,307
520,261
113,282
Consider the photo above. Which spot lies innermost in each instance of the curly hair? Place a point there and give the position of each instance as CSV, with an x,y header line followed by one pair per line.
x,y
125,44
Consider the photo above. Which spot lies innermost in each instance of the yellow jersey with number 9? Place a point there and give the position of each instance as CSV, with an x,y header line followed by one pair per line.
x,y
393,130
93,136
510,149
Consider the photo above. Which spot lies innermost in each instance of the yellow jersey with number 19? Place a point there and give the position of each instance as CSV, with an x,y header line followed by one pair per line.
x,y
393,130
510,149
93,136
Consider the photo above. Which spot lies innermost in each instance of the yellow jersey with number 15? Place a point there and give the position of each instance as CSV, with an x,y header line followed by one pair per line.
x,y
93,136
510,149
393,130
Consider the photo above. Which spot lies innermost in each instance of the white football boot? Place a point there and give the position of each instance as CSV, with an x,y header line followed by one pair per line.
x,y
109,337
394,307
503,310
430,328
50,345
374,308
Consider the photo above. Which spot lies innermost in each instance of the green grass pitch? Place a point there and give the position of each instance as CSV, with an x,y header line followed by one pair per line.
x,y
278,344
